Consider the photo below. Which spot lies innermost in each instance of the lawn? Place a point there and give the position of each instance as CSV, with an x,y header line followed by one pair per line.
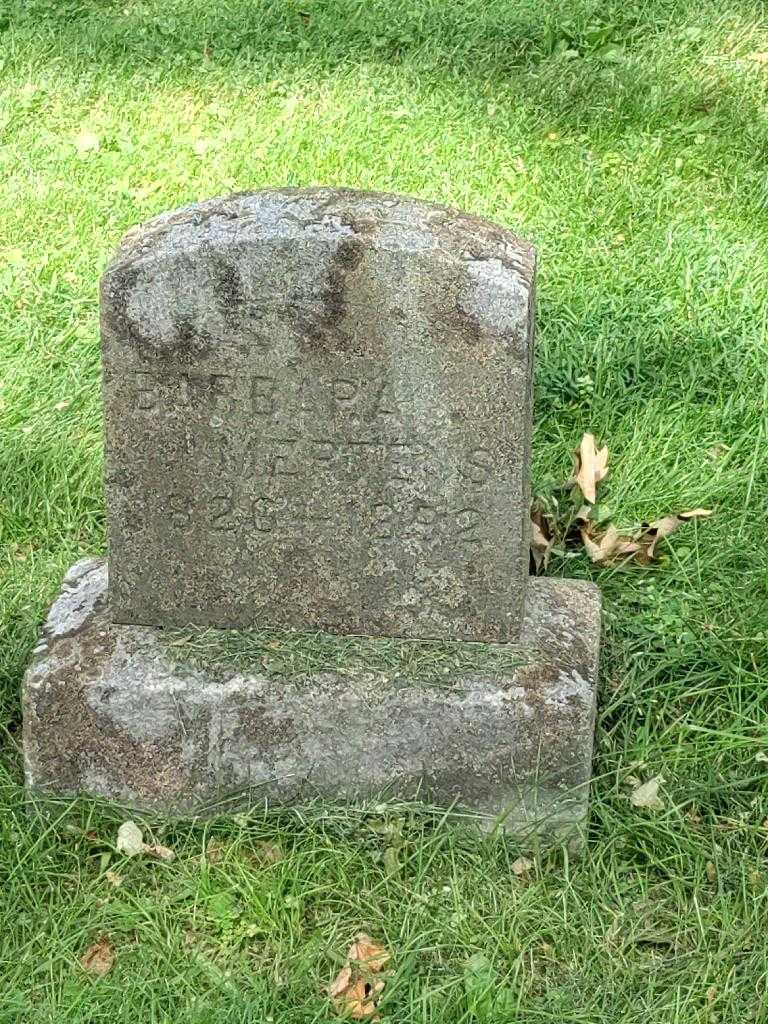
x,y
629,142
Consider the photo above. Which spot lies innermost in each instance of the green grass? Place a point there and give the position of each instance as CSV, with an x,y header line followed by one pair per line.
x,y
629,142
276,653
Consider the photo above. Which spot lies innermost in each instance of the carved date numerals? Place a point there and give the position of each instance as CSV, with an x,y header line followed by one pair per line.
x,y
418,521
425,522
225,513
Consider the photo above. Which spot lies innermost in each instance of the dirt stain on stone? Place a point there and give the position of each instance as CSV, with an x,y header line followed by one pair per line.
x,y
324,329
189,342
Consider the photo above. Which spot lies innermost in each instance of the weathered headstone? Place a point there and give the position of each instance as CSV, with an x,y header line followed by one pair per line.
x,y
318,416
317,408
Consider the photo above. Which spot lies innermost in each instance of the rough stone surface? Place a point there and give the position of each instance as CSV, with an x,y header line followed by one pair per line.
x,y
108,712
318,415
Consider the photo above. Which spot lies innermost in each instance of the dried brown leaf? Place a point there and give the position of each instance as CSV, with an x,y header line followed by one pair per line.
x,y
341,981
161,852
522,866
662,528
99,959
358,1000
541,542
354,991
592,467
366,951
592,547
658,530
610,546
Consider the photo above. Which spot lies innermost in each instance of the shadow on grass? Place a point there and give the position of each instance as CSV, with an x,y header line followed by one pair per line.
x,y
555,54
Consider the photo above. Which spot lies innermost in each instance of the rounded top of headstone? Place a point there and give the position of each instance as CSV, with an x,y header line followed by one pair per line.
x,y
378,219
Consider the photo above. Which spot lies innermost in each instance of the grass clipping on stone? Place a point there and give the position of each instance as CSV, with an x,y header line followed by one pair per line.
x,y
283,653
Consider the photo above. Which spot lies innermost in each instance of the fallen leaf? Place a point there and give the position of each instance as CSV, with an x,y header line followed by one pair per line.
x,y
156,850
113,878
611,545
665,527
661,528
130,839
646,795
522,866
607,547
357,999
711,871
365,951
99,958
542,540
354,990
341,982
592,467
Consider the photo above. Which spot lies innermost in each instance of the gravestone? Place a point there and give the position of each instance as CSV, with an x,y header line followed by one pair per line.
x,y
317,408
318,415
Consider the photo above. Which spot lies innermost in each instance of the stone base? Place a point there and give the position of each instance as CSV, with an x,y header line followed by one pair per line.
x,y
110,712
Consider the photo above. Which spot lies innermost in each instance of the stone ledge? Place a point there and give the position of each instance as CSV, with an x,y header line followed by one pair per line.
x,y
108,712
